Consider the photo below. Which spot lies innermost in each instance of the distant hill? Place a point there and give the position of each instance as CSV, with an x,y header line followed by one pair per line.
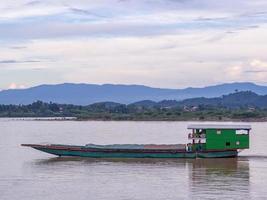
x,y
245,99
144,103
85,94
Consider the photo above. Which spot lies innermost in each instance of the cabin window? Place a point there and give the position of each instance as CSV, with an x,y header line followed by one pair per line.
x,y
227,143
241,132
237,143
219,132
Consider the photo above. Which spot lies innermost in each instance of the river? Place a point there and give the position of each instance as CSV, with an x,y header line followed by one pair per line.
x,y
29,174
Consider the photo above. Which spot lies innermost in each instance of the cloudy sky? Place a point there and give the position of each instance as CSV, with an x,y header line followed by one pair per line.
x,y
160,43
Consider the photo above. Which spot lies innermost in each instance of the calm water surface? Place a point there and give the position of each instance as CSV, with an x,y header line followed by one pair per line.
x,y
29,174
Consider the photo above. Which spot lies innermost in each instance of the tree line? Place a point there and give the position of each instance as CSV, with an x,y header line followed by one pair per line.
x,y
237,106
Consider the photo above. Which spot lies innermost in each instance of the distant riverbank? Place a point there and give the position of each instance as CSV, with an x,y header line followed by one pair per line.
x,y
40,118
241,106
104,119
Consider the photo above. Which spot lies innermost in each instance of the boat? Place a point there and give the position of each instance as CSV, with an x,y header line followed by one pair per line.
x,y
205,141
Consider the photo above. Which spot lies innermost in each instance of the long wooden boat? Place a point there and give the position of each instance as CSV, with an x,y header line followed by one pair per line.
x,y
207,141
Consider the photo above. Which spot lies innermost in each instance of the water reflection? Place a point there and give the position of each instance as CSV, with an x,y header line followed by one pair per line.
x,y
226,177
202,178
224,164
130,161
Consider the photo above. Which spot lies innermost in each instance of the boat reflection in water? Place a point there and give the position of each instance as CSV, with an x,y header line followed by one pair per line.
x,y
176,178
226,177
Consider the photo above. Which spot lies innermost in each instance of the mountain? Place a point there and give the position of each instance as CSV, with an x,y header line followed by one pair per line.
x,y
85,94
144,103
234,100
243,99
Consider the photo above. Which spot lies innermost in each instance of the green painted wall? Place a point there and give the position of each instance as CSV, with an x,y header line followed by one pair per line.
x,y
227,139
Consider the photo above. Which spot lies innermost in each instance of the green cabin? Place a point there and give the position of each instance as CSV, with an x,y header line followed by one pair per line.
x,y
218,137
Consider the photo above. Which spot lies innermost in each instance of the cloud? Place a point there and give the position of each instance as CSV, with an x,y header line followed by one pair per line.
x,y
32,3
80,11
13,86
18,61
163,43
255,71
36,19
258,64
18,47
162,60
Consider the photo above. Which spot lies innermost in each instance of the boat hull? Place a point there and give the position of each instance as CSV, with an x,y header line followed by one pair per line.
x,y
81,151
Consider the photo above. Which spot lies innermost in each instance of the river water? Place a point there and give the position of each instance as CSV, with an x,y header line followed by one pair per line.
x,y
28,174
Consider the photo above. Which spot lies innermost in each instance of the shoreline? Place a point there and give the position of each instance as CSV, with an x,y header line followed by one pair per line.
x,y
131,120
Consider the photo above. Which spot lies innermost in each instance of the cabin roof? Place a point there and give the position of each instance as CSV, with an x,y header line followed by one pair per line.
x,y
220,126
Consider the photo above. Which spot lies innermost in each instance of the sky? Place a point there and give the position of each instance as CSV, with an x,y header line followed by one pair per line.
x,y
159,43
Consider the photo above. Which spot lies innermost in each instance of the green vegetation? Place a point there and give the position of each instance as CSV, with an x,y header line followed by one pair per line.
x,y
238,106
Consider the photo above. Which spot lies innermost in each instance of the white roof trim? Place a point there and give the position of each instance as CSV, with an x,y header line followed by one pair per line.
x,y
219,126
